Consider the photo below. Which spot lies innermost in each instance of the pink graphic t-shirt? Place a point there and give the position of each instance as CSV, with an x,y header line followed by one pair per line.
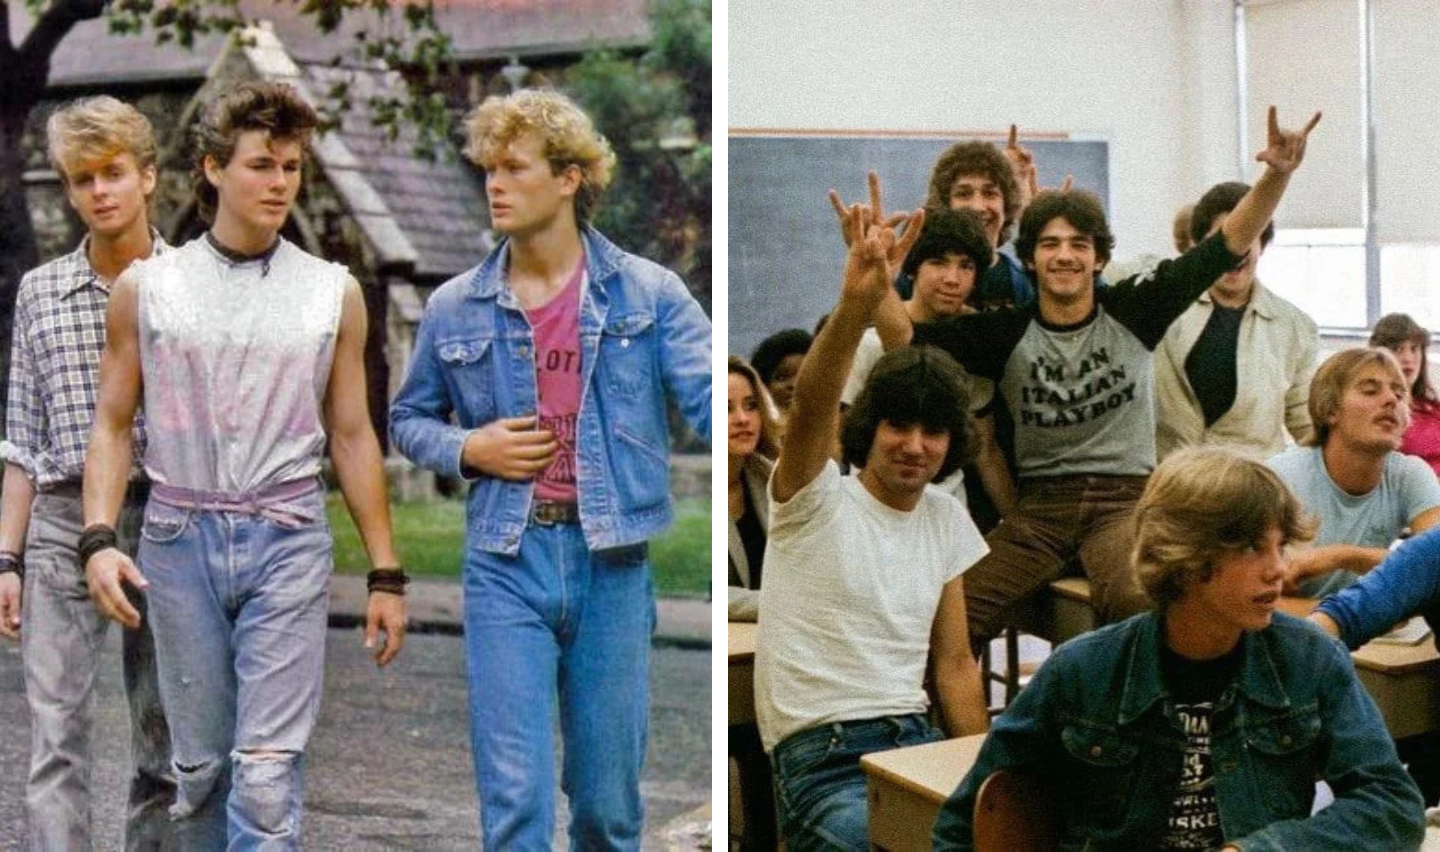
x,y
557,371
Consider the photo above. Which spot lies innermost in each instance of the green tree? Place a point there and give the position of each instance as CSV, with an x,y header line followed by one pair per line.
x,y
655,110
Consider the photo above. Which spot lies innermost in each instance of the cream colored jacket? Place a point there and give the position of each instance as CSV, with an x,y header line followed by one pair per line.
x,y
1274,362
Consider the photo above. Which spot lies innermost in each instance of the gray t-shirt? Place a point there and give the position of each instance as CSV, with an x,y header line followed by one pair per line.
x,y
1082,397
1407,488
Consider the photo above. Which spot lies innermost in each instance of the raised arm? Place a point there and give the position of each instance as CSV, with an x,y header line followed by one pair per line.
x,y
816,403
108,456
1284,150
892,323
355,453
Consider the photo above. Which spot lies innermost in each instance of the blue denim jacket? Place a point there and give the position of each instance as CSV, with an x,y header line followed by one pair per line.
x,y
1098,727
1407,583
642,336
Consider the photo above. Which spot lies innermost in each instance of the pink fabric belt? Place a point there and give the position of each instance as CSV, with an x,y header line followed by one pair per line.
x,y
277,502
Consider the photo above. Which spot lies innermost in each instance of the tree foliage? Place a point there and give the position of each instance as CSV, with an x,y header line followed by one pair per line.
x,y
655,110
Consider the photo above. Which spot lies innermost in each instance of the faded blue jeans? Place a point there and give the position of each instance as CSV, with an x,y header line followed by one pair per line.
x,y
61,648
238,604
820,787
559,617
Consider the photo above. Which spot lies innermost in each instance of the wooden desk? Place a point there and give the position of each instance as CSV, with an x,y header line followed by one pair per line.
x,y
742,672
1404,680
907,786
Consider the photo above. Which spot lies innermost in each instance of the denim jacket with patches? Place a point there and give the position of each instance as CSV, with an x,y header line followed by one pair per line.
x,y
1098,727
643,337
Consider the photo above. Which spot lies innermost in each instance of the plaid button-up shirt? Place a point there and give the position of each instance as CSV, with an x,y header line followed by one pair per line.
x,y
58,333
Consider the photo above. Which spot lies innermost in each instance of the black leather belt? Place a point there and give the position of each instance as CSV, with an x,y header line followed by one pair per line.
x,y
547,513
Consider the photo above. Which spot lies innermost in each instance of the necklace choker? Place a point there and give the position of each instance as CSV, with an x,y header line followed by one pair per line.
x,y
237,257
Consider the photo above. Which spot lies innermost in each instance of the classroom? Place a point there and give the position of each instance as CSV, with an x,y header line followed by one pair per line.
x,y
1082,449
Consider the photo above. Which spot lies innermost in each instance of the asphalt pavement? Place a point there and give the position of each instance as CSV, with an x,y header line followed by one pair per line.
x,y
389,766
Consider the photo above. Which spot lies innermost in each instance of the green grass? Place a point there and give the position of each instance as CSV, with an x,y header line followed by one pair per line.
x,y
430,535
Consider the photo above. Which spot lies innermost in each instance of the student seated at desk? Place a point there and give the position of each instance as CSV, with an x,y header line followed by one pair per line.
x,y
1205,723
753,446
863,573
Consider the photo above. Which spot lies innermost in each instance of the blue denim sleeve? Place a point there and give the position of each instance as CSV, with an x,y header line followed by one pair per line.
x,y
1019,739
1406,583
1377,805
685,359
420,415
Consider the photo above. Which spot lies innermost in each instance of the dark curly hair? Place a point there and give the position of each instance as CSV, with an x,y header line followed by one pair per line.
x,y
917,384
277,108
975,158
1218,199
1080,207
949,231
776,348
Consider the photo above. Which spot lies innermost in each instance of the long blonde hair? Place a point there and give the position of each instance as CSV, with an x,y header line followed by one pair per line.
x,y
768,444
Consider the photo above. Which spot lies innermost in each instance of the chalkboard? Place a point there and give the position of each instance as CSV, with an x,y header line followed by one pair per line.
x,y
785,251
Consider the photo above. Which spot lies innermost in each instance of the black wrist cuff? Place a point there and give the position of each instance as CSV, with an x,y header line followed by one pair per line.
x,y
93,539
12,563
389,580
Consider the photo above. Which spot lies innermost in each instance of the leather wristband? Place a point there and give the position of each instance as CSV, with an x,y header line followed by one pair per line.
x,y
12,563
389,580
93,539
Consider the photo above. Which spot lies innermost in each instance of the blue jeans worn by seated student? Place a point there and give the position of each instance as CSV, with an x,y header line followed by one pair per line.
x,y
238,604
559,613
820,787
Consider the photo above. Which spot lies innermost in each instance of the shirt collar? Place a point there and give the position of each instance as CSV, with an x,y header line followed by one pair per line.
x,y
83,274
1258,678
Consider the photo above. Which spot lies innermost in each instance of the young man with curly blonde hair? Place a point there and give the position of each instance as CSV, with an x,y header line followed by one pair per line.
x,y
555,357
104,152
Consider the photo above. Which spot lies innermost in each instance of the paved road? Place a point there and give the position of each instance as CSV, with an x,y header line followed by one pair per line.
x,y
389,764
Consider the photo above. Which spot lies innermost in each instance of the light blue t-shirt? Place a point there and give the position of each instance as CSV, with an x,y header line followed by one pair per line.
x,y
1407,488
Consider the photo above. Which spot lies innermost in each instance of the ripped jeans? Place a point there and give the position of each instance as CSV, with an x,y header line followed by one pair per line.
x,y
238,600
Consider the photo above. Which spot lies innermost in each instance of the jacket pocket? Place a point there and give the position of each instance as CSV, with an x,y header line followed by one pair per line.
x,y
1105,768
1283,762
627,354
469,367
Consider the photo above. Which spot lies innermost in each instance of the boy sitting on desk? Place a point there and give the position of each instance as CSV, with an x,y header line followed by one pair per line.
x,y
1205,723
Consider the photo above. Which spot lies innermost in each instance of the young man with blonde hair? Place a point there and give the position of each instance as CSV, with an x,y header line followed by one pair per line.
x,y
555,358
249,356
1351,474
1205,723
104,151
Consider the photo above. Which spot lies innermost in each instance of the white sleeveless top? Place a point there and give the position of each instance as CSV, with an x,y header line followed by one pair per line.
x,y
236,358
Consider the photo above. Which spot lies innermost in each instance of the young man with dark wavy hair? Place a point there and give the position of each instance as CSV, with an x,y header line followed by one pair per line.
x,y
1074,371
248,354
863,573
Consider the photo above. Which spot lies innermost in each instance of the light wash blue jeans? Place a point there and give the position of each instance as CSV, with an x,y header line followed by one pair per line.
x,y
238,604
61,648
820,787
559,617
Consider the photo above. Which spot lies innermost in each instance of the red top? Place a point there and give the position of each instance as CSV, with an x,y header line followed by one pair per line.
x,y
557,374
1422,438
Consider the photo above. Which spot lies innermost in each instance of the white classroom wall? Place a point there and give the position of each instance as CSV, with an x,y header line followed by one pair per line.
x,y
1155,78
